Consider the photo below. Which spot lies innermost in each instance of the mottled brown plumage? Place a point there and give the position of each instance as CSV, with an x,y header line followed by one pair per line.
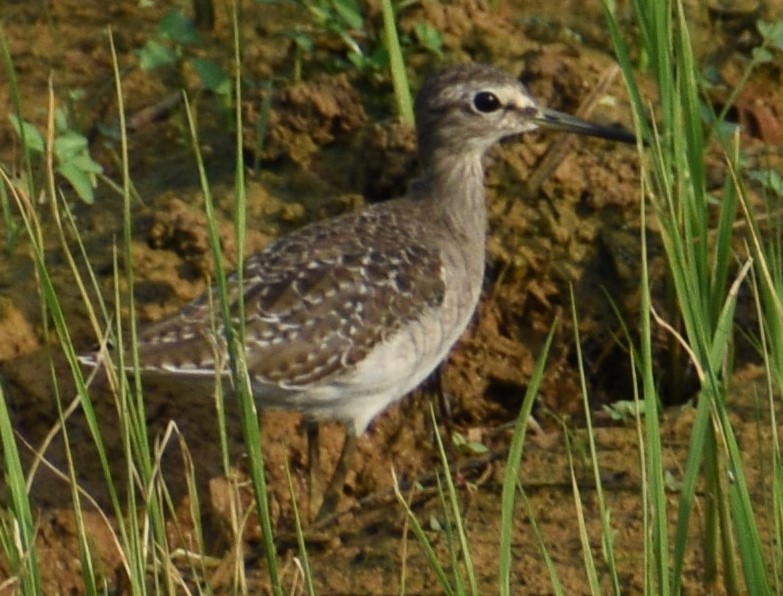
x,y
317,301
346,316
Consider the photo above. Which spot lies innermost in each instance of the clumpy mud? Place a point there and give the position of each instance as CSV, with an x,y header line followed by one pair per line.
x,y
564,217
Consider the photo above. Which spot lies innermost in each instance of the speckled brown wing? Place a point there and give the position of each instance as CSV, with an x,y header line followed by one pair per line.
x,y
316,301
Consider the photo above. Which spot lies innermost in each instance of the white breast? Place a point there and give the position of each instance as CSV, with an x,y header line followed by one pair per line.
x,y
394,368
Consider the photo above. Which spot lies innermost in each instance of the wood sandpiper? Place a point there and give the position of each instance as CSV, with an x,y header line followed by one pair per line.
x,y
346,316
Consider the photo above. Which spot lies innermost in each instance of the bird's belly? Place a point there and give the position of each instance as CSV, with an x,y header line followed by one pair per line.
x,y
390,371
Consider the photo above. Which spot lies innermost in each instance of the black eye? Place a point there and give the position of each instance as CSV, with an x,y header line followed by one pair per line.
x,y
486,102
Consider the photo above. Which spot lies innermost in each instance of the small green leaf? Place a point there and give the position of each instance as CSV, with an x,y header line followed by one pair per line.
x,y
772,32
357,60
349,13
378,58
761,55
32,138
319,15
154,55
622,410
178,28
477,448
468,447
302,41
82,182
86,164
769,179
212,76
68,145
60,120
429,38
77,94
672,484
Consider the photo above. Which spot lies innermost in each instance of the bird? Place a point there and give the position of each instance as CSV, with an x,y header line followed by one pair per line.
x,y
345,316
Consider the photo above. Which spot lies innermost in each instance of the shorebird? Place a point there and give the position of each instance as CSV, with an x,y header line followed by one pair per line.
x,y
344,317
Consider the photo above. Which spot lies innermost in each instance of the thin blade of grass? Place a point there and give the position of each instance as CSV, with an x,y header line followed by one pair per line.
x,y
18,534
448,531
745,528
300,541
513,462
606,529
234,335
455,510
140,457
10,74
250,423
584,538
557,586
402,93
421,536
653,18
767,286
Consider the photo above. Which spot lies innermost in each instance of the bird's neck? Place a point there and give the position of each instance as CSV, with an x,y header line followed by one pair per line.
x,y
454,186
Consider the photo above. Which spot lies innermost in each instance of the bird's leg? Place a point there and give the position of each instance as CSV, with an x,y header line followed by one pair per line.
x,y
314,464
335,489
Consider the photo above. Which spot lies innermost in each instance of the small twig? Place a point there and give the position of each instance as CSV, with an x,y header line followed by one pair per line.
x,y
154,112
557,150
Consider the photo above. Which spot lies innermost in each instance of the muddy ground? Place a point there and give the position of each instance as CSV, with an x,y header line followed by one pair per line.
x,y
332,145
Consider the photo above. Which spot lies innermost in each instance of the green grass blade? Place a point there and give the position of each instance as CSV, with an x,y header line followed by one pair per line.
x,y
421,536
606,529
19,533
250,424
584,538
234,336
512,465
402,92
55,313
10,73
455,511
448,532
557,586
138,451
300,541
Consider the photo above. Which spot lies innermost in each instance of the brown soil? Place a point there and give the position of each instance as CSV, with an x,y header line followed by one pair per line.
x,y
331,142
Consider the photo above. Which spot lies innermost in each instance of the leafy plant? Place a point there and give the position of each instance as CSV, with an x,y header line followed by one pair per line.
x,y
71,153
363,47
467,446
344,20
428,38
769,179
771,40
169,47
624,410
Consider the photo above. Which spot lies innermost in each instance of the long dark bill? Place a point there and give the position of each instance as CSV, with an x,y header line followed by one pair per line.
x,y
559,121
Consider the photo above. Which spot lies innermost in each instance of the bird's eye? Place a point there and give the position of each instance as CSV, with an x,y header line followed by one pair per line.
x,y
486,102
